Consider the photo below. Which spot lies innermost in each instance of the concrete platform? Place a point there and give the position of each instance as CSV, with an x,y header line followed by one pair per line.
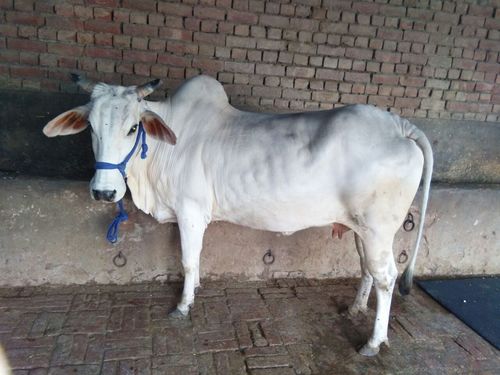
x,y
52,232
279,327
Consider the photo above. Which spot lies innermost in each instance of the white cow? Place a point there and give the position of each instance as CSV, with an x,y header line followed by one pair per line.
x,y
356,166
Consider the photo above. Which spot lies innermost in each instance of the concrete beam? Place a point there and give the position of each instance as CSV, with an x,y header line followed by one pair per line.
x,y
464,151
52,232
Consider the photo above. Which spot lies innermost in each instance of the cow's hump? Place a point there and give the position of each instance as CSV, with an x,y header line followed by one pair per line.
x,y
202,88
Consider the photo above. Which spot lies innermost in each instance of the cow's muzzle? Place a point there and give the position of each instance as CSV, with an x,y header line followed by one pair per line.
x,y
105,195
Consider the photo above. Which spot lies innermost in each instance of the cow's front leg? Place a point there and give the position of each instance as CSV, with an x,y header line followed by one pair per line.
x,y
192,227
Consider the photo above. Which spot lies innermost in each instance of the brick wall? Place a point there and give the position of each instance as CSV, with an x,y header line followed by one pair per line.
x,y
420,58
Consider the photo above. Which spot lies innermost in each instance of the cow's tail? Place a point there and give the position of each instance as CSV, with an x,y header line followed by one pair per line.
x,y
412,132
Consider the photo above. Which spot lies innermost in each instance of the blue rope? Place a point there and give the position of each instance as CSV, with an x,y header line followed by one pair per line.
x,y
112,235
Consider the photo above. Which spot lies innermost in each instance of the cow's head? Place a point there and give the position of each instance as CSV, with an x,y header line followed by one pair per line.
x,y
113,114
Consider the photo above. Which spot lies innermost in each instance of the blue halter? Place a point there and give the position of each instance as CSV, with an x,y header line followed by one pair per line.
x,y
112,234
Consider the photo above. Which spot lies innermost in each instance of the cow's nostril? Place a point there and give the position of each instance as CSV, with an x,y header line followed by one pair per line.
x,y
96,194
107,195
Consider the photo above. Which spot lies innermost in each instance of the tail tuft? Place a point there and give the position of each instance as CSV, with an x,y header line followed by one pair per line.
x,y
406,282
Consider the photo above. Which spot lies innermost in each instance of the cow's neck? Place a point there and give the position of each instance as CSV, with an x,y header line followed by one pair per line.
x,y
147,179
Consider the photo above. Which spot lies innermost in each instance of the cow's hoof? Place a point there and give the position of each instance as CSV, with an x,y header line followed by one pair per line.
x,y
369,351
177,314
355,311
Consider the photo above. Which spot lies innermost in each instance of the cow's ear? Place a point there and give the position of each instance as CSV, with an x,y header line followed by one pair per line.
x,y
156,127
70,122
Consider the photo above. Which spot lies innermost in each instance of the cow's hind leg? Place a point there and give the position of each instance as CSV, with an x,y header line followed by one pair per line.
x,y
360,303
380,262
191,227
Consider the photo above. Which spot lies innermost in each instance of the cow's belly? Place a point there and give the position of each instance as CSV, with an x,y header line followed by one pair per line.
x,y
283,216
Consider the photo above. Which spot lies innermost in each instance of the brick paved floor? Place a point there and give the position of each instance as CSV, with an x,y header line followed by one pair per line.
x,y
280,327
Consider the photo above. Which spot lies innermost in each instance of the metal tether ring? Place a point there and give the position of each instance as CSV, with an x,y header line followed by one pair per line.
x,y
268,257
409,224
120,260
403,257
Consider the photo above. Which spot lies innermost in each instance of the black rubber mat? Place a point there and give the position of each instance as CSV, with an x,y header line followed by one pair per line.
x,y
475,301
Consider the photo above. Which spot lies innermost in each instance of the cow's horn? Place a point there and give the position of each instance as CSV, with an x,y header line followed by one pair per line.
x,y
147,88
83,82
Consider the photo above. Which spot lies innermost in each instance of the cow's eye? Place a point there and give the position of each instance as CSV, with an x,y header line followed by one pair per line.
x,y
132,130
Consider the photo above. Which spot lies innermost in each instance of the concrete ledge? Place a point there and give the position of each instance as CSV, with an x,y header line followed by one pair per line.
x,y
52,232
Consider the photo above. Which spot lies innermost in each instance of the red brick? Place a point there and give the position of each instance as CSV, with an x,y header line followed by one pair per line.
x,y
389,34
156,19
173,60
412,58
208,12
65,49
139,56
83,12
26,45
105,40
24,19
270,69
385,79
242,17
304,24
461,107
329,74
274,21
182,48
9,56
389,10
65,23
407,103
416,36
28,58
105,53
175,9
121,15
466,42
104,3
492,45
143,30
142,69
382,101
357,77
464,64
8,30
391,57
103,14
27,71
239,67
472,20
176,34
365,8
26,5
85,38
353,99
6,4
66,35
488,67
339,51
64,10
210,38
148,5
363,30
206,64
